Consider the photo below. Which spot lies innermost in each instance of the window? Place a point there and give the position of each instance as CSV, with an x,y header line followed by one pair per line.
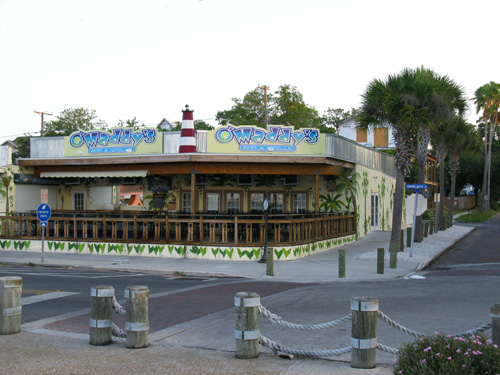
x,y
374,211
299,202
78,201
233,202
361,136
213,202
381,137
186,202
256,200
276,202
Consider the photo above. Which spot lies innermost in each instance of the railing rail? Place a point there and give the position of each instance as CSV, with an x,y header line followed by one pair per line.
x,y
201,229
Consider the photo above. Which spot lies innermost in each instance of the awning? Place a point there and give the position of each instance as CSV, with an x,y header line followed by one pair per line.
x,y
95,174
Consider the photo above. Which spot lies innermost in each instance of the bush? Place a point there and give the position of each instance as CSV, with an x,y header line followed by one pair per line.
x,y
449,355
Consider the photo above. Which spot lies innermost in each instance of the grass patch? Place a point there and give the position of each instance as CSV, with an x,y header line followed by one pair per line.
x,y
476,217
4,264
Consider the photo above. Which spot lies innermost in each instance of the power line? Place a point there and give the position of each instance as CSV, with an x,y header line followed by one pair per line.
x,y
42,114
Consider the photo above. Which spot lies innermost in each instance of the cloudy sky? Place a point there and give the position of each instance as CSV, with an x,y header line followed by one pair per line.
x,y
149,58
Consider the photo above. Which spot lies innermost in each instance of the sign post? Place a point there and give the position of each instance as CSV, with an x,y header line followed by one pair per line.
x,y
416,188
43,213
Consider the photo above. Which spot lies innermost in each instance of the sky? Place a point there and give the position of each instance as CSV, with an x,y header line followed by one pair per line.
x,y
149,58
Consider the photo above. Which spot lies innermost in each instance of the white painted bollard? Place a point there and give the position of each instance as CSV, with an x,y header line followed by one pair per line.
x,y
247,330
364,332
137,321
101,314
11,289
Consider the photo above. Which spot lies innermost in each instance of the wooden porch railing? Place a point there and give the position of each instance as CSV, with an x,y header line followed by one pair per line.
x,y
201,229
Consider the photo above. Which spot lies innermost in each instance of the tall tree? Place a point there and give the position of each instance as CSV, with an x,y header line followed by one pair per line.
x,y
71,120
462,137
397,102
487,100
333,117
289,108
247,111
441,98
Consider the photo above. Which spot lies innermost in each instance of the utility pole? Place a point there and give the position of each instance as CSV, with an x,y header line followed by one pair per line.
x,y
265,88
42,114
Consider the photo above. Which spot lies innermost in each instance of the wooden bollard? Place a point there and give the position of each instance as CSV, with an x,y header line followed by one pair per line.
x,y
426,229
495,323
431,228
247,331
408,237
364,332
380,260
11,289
270,261
393,260
341,263
402,243
137,320
101,314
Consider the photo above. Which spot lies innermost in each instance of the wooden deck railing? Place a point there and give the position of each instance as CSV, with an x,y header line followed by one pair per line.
x,y
201,229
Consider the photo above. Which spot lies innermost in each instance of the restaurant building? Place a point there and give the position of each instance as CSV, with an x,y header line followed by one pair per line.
x,y
198,194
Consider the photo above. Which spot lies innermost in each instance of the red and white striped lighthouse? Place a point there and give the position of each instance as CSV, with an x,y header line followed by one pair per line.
x,y
188,140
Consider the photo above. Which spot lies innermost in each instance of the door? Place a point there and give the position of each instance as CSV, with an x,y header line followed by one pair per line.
x,y
78,200
374,211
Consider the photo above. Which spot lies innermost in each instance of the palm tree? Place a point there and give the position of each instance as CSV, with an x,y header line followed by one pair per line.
x,y
487,99
441,98
462,137
397,102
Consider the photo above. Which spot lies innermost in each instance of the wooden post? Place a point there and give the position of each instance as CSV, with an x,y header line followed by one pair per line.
x,y
270,261
247,330
393,262
316,194
380,260
341,263
426,229
137,321
11,289
495,323
101,314
408,237
364,332
402,242
431,228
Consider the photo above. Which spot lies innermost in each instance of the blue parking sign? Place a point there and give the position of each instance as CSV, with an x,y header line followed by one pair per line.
x,y
43,213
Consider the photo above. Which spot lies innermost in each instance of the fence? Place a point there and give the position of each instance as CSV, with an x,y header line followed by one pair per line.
x,y
201,229
364,315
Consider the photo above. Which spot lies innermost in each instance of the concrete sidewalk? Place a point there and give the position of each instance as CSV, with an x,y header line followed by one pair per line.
x,y
206,345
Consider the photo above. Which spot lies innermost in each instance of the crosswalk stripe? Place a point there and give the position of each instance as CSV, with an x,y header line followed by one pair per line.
x,y
44,297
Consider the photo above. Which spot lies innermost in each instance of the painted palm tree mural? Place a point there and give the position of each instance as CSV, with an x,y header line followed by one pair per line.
x,y
348,182
364,185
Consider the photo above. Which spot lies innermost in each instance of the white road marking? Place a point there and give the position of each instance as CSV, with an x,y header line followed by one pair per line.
x,y
44,297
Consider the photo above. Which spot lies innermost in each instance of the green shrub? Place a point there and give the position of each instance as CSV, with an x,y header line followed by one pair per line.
x,y
449,355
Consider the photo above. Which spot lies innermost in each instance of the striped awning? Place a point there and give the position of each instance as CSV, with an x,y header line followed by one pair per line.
x,y
95,174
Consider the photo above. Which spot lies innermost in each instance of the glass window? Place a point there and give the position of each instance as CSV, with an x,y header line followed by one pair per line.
x,y
256,200
79,201
233,202
186,202
213,202
276,202
299,202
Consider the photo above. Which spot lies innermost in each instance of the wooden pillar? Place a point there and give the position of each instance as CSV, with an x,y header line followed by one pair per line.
x,y
393,260
193,191
364,332
247,330
495,323
380,260
341,263
408,236
316,197
11,289
101,314
137,321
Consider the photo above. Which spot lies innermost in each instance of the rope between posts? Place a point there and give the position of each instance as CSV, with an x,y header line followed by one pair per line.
x,y
119,309
408,331
117,331
387,349
273,318
277,347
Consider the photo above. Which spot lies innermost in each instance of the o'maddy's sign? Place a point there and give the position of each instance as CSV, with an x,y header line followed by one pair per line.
x,y
274,139
116,141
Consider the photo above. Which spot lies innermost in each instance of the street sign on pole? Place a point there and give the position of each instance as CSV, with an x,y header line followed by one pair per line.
x,y
43,213
416,188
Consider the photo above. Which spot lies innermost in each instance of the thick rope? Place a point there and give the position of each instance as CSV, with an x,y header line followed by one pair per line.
x,y
387,349
119,309
273,318
482,328
277,347
398,326
117,331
